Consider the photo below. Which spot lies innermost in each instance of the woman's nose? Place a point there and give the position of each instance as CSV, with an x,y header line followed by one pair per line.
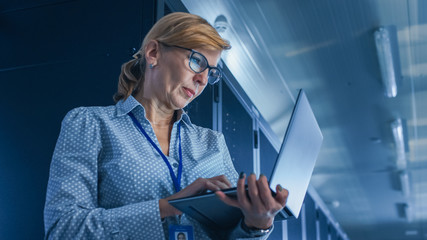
x,y
201,78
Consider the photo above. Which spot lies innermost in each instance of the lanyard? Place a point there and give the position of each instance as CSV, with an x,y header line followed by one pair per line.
x,y
176,179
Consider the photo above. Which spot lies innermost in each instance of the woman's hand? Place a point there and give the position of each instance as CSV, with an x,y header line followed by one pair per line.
x,y
201,184
261,207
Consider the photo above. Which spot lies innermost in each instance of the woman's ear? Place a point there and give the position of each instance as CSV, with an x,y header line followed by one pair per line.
x,y
152,52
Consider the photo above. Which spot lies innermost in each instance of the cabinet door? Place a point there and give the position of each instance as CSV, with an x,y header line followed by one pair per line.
x,y
323,225
238,131
294,227
267,155
310,217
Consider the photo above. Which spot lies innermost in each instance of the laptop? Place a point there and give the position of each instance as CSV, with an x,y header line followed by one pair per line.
x,y
292,170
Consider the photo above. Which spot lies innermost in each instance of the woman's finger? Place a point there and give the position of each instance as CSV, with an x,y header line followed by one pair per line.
x,y
241,192
254,193
281,195
265,193
199,185
219,183
223,179
227,200
210,185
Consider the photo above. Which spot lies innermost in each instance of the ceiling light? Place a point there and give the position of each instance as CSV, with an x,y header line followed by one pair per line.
x,y
398,127
388,56
404,183
334,203
411,232
221,24
409,213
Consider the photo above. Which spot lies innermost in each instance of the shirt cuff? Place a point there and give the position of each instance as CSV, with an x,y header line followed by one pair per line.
x,y
135,221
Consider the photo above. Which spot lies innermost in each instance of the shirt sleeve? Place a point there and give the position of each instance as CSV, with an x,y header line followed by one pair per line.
x,y
237,232
230,171
71,208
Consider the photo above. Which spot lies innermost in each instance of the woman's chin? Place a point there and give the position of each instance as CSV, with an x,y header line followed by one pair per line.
x,y
185,102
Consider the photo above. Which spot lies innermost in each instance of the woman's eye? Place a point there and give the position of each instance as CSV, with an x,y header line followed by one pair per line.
x,y
196,60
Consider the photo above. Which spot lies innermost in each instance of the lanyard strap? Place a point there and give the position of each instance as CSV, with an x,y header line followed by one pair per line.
x,y
176,179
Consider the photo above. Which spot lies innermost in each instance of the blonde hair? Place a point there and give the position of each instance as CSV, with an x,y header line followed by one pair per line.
x,y
180,29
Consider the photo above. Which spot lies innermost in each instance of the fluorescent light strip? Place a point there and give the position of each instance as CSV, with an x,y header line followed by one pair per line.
x,y
409,213
399,140
404,182
388,56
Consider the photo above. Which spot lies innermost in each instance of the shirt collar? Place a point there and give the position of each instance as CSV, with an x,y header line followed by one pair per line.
x,y
185,118
123,107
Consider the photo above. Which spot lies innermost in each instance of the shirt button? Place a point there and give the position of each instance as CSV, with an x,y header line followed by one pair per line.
x,y
175,165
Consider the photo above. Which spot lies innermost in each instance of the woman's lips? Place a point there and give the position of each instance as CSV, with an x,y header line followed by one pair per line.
x,y
189,92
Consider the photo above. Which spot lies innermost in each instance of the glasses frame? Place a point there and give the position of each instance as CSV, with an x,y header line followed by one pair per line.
x,y
212,82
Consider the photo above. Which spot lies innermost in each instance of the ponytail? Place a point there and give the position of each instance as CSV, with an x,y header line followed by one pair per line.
x,y
131,78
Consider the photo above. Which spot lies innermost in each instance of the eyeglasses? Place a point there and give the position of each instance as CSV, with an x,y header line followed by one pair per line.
x,y
198,63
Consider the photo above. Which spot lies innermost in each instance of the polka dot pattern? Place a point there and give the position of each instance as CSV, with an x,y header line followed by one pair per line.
x,y
106,179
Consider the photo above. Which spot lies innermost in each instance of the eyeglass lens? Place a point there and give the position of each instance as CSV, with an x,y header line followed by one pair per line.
x,y
198,63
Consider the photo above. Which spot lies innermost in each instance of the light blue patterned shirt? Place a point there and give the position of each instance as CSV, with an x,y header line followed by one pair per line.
x,y
106,179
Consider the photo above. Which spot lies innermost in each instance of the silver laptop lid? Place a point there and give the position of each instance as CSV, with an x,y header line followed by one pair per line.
x,y
298,154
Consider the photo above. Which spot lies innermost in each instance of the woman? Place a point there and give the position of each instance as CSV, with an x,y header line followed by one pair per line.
x,y
115,168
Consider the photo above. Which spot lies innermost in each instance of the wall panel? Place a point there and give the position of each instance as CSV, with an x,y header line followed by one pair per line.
x,y
54,57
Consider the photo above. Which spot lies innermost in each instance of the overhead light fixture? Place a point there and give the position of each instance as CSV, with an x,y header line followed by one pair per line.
x,y
411,232
404,183
221,24
388,56
409,214
398,127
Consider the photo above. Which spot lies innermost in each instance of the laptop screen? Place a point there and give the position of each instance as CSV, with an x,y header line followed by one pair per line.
x,y
298,154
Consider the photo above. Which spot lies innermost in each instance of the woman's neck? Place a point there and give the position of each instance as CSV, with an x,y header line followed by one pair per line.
x,y
158,115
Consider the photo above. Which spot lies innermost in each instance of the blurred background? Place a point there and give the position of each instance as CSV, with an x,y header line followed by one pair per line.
x,y
363,64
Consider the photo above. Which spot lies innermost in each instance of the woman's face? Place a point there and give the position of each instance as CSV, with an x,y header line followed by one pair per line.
x,y
173,83
181,236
